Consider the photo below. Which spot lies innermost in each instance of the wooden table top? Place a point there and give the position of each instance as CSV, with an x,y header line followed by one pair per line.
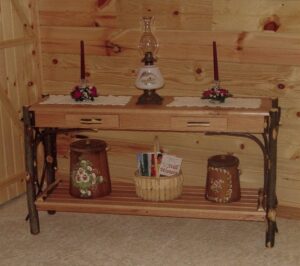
x,y
132,107
153,117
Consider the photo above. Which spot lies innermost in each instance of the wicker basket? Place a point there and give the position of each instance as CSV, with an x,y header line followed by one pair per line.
x,y
158,188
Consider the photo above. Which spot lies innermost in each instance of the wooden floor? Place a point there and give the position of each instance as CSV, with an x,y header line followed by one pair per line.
x,y
123,200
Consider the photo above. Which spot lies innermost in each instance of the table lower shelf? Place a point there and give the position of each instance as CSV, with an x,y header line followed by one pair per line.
x,y
123,200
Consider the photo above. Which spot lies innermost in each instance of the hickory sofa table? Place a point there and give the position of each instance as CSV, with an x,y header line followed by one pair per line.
x,y
42,121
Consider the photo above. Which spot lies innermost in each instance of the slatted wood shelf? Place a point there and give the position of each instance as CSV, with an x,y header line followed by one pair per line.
x,y
123,200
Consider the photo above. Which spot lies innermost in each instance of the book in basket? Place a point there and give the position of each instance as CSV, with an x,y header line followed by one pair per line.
x,y
170,165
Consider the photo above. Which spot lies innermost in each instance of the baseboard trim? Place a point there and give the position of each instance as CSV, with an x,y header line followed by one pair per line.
x,y
288,212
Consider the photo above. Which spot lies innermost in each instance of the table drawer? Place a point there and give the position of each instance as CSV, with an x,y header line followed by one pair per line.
x,y
93,121
182,123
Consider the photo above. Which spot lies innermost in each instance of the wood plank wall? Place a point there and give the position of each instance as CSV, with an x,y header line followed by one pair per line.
x,y
19,83
259,53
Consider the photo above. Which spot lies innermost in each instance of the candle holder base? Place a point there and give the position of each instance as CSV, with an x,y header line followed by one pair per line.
x,y
149,97
84,92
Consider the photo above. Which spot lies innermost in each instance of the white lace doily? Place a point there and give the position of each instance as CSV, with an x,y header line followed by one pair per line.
x,y
253,103
100,100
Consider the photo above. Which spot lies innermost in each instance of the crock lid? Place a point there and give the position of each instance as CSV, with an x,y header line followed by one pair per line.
x,y
88,145
223,160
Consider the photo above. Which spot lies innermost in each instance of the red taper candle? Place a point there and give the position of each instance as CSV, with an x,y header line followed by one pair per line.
x,y
215,55
82,63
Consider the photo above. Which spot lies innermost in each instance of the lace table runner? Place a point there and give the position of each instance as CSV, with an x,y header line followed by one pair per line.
x,y
229,102
252,103
100,100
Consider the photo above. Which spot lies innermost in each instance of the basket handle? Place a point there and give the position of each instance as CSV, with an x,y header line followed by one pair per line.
x,y
156,150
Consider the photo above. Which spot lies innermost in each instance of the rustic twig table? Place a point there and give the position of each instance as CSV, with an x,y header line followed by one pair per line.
x,y
42,121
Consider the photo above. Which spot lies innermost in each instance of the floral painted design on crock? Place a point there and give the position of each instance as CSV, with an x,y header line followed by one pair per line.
x,y
85,177
217,185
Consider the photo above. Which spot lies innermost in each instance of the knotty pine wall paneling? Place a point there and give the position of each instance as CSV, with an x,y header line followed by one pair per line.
x,y
19,85
259,55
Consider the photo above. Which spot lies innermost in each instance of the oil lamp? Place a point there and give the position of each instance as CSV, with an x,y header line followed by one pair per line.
x,y
149,77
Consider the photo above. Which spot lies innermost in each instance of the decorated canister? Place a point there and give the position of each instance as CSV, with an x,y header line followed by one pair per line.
x,y
222,182
89,172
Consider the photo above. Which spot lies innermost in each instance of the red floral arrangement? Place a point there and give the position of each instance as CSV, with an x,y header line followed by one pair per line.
x,y
216,94
84,93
